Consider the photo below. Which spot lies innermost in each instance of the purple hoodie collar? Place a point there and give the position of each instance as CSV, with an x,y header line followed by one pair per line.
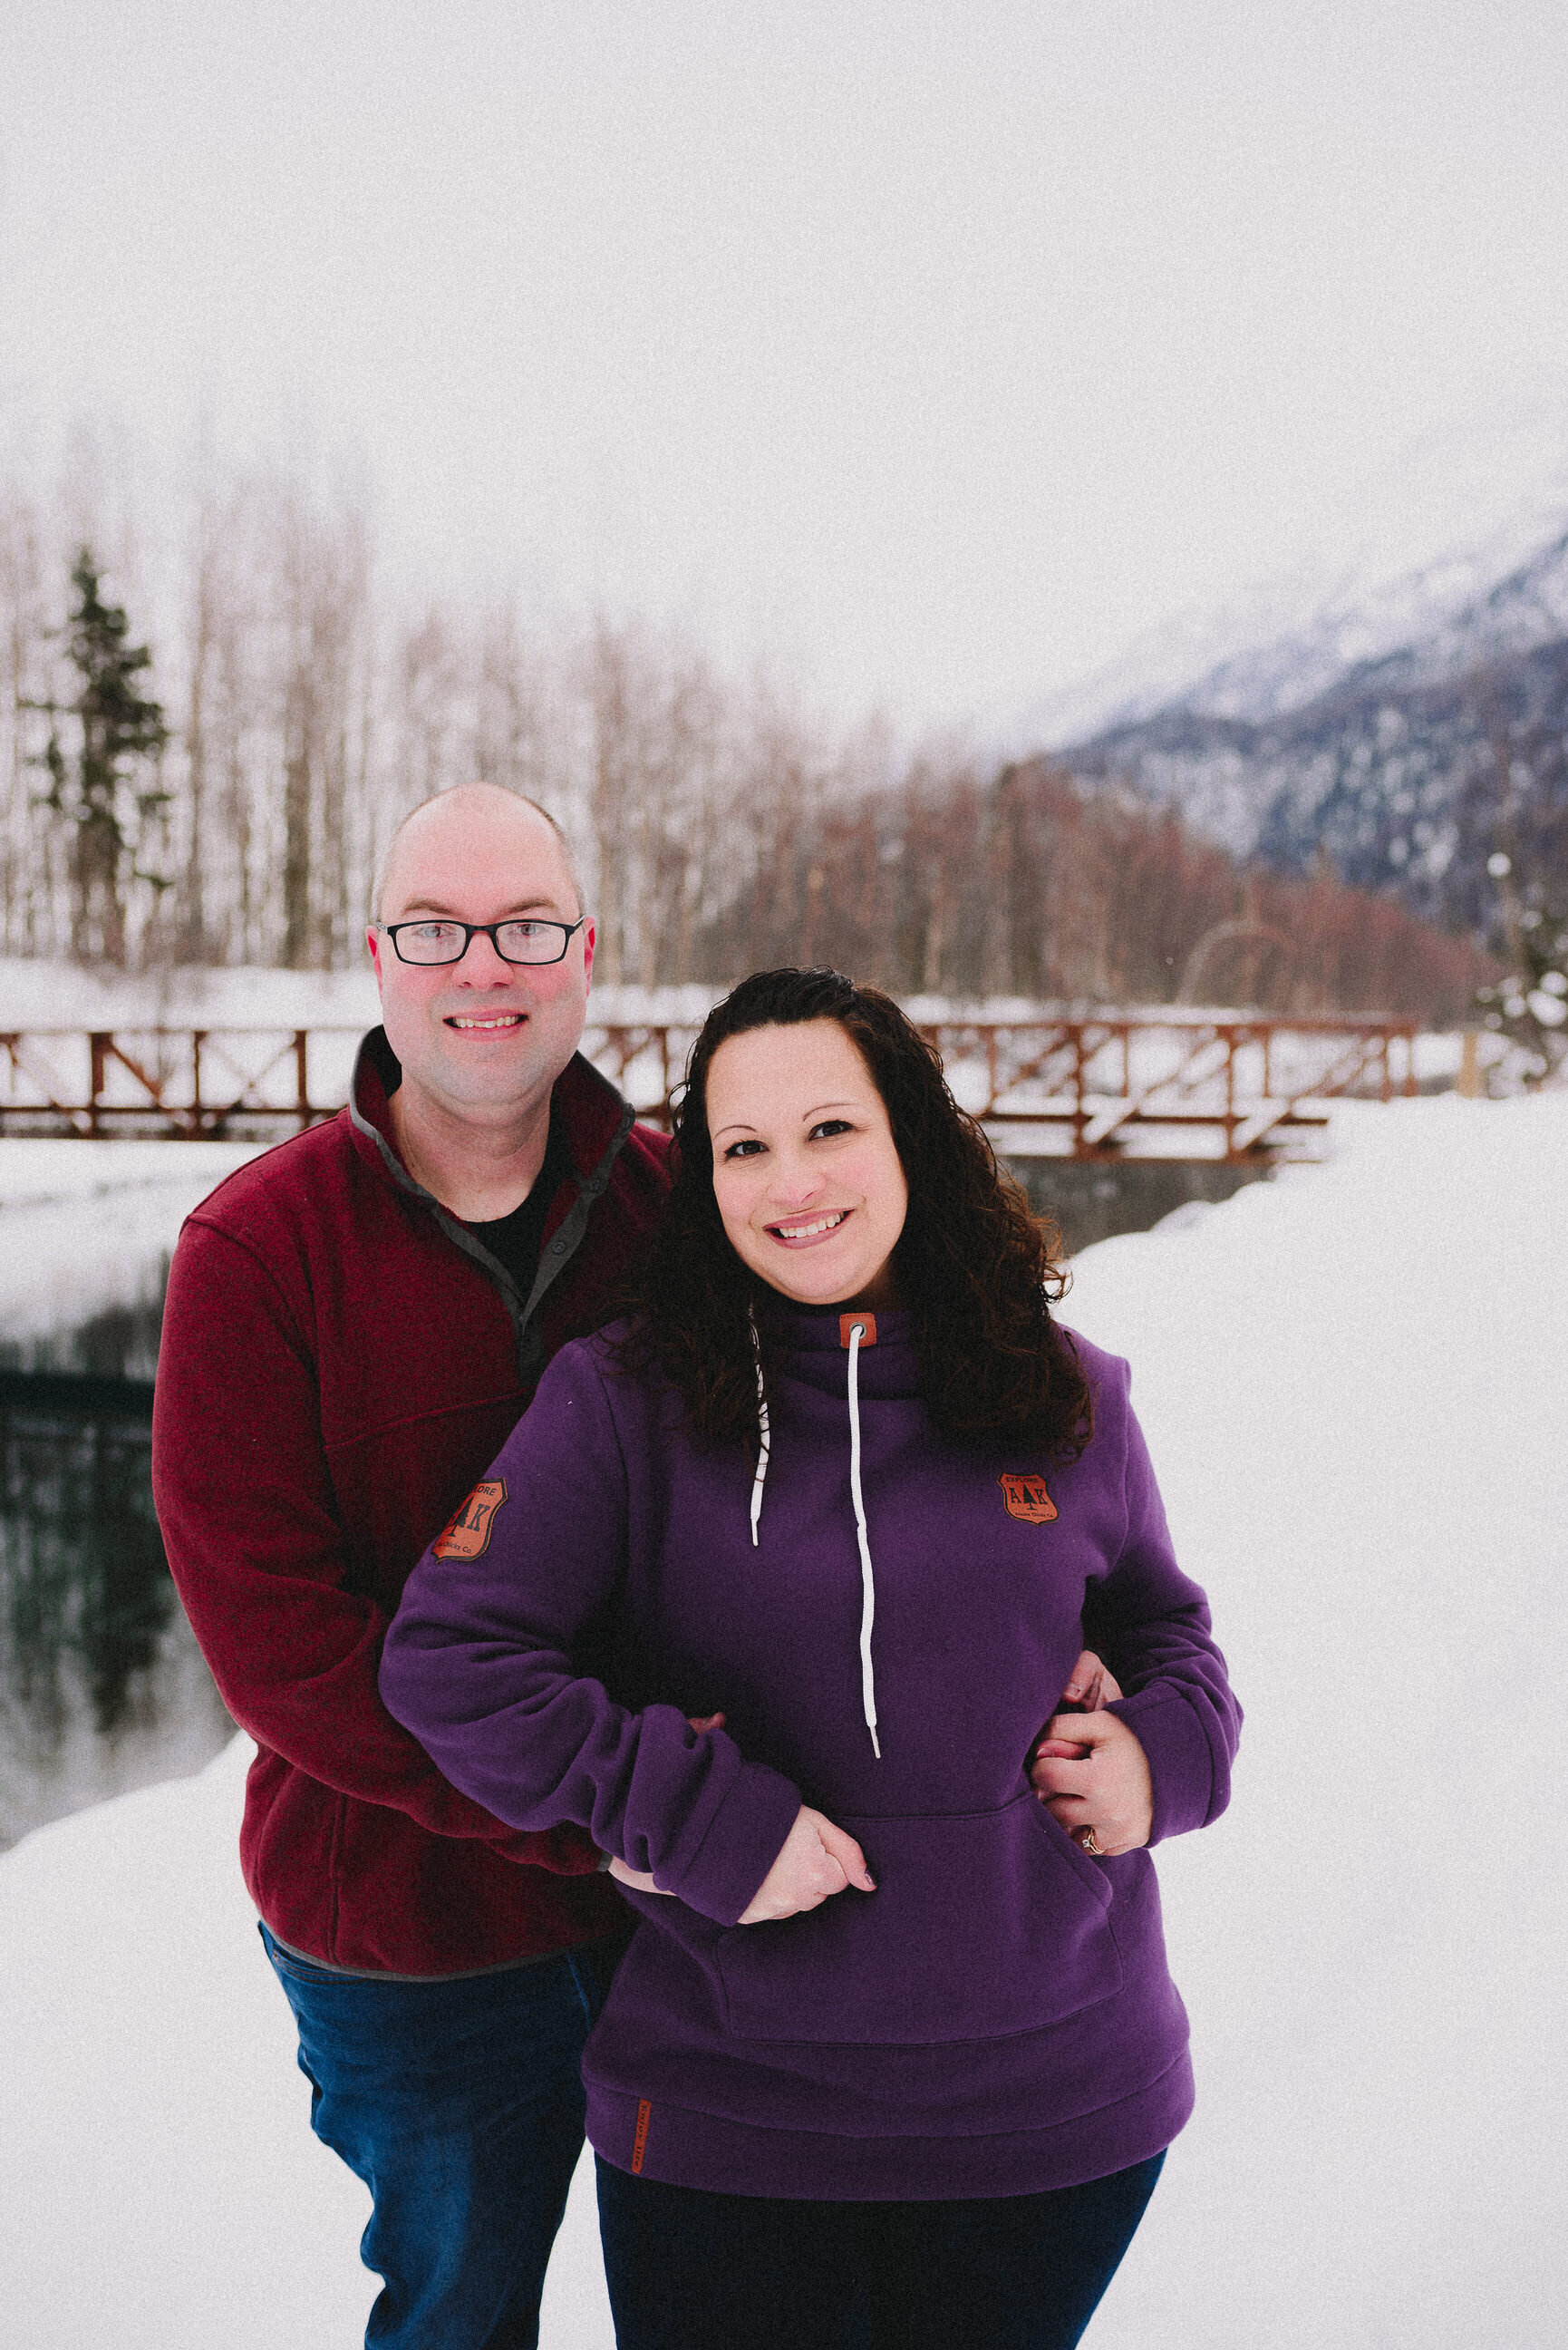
x,y
806,1343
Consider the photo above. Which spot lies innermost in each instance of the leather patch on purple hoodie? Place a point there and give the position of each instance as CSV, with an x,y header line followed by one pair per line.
x,y
1026,1497
467,1536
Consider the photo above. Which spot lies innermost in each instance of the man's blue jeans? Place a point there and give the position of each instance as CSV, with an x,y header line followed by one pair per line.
x,y
461,2106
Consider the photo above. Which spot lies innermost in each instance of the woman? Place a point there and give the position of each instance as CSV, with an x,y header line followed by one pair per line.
x,y
769,1591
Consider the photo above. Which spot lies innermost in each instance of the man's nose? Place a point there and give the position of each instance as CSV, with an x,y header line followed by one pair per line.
x,y
481,964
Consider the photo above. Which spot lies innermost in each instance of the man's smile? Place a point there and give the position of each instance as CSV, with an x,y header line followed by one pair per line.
x,y
489,1024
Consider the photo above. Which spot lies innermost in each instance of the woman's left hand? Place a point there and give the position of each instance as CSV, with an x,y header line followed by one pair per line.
x,y
1090,1685
1092,1776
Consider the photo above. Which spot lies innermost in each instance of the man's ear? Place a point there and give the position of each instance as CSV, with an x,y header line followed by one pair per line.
x,y
589,937
375,946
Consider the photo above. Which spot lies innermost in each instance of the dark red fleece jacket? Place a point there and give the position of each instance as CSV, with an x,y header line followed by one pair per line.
x,y
340,1361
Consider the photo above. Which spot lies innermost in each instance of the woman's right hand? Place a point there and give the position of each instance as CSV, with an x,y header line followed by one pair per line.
x,y
818,1860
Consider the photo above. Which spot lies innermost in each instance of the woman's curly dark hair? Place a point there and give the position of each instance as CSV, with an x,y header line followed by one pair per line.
x,y
976,1270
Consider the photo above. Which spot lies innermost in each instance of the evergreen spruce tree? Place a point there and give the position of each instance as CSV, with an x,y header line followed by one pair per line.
x,y
108,794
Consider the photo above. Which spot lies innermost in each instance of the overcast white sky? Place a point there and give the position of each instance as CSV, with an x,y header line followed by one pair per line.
x,y
938,347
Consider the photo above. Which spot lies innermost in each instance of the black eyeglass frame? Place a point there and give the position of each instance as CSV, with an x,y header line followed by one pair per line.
x,y
471,931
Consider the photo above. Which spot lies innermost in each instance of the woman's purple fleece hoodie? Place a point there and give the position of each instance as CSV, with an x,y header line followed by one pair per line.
x,y
997,2018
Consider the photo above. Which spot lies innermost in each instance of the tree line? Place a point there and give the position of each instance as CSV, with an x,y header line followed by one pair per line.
x,y
212,781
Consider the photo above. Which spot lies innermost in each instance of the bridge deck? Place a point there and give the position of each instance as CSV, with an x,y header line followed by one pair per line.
x,y
1171,1087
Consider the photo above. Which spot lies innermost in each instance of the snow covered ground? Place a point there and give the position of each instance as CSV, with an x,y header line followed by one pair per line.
x,y
1356,1387
39,994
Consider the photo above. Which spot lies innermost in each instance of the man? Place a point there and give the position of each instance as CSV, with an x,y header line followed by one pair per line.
x,y
354,1323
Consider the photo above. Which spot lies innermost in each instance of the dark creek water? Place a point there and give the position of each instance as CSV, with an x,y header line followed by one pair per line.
x,y
102,1688
1094,1200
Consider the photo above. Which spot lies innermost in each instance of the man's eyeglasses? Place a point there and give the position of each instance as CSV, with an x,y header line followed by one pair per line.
x,y
526,941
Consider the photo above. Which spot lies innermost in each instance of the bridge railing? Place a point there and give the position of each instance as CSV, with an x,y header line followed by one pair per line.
x,y
183,1084
1176,1086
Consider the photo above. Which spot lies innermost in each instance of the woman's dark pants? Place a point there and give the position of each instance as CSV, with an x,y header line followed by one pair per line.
x,y
690,2270
460,2105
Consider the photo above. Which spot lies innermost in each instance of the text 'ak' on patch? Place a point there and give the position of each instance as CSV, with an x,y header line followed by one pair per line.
x,y
467,1535
1026,1497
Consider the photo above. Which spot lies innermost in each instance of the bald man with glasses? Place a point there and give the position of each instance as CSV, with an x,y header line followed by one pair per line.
x,y
354,1323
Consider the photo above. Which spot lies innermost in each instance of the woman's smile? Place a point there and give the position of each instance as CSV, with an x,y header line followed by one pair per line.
x,y
804,1234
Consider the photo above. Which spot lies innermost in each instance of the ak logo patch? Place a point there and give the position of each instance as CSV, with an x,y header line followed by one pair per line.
x,y
1026,1497
467,1536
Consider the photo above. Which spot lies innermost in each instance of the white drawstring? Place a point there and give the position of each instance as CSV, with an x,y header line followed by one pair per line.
x,y
759,1480
867,1582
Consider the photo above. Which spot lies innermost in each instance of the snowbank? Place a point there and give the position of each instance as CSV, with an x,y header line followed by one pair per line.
x,y
159,2187
34,994
69,995
1355,1384
1356,1387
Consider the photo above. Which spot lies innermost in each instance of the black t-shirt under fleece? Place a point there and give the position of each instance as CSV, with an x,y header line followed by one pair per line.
x,y
516,1239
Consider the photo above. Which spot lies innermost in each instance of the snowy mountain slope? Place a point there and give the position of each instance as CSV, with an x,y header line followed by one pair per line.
x,y
1369,1478
1377,712
1397,561
1395,771
1263,655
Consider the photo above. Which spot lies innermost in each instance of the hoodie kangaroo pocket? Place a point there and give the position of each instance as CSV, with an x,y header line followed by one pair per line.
x,y
982,1924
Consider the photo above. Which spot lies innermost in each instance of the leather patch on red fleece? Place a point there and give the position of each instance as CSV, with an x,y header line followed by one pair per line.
x,y
868,1329
639,2143
467,1536
1026,1497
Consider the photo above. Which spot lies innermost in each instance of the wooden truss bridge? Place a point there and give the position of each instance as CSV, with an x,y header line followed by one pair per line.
x,y
1153,1084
